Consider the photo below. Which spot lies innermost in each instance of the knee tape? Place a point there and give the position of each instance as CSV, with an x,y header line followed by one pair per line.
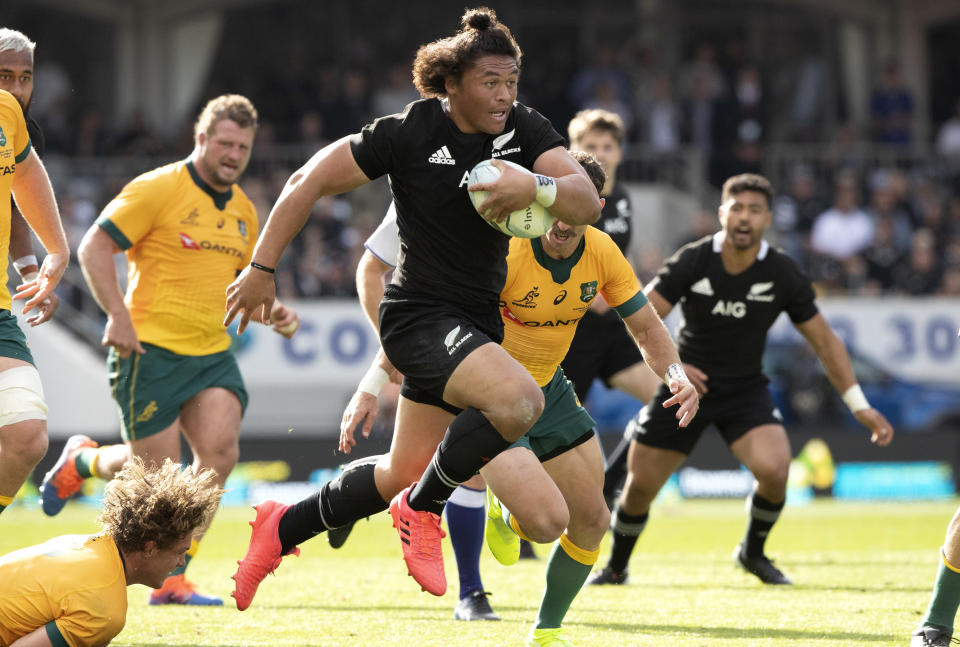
x,y
21,396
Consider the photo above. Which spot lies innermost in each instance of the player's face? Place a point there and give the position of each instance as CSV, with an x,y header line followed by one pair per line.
x,y
481,100
602,145
16,76
223,153
561,239
744,217
165,560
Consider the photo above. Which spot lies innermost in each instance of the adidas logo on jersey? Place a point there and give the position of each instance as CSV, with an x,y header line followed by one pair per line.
x,y
702,287
757,290
442,156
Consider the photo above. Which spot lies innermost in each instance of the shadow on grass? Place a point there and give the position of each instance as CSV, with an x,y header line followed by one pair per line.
x,y
739,632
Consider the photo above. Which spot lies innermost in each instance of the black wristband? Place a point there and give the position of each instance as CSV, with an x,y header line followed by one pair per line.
x,y
262,268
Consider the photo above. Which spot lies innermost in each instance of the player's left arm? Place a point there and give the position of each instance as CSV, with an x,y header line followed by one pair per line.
x,y
34,196
661,356
836,363
559,184
27,266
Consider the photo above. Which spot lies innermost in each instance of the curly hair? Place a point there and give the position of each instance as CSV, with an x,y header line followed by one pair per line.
x,y
448,58
747,182
234,107
590,164
595,119
161,504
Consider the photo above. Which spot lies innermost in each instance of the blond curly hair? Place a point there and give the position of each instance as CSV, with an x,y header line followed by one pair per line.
x,y
162,504
235,107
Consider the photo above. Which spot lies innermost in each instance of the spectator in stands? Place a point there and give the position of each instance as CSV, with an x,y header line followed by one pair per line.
x,y
883,255
701,77
662,120
920,272
794,212
845,229
396,93
884,206
891,108
948,138
602,73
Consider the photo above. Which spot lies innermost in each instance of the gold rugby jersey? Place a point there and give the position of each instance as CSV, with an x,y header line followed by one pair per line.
x,y
185,244
76,581
14,148
543,298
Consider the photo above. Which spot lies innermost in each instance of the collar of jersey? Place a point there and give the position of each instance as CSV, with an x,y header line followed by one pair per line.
x,y
559,268
220,199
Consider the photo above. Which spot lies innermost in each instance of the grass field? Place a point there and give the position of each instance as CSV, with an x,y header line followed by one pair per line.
x,y
863,575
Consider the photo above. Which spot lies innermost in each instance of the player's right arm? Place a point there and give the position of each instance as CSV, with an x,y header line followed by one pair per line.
x,y
371,281
96,260
36,638
330,171
34,196
363,405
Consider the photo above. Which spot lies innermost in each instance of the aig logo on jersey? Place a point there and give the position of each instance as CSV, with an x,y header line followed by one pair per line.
x,y
737,309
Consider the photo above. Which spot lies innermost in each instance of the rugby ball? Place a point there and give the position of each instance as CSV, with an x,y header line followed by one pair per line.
x,y
531,222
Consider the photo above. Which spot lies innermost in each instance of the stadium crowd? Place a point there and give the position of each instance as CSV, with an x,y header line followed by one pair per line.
x,y
872,211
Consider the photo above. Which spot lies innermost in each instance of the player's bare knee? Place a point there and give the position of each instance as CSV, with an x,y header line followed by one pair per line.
x,y
547,524
29,444
772,475
518,415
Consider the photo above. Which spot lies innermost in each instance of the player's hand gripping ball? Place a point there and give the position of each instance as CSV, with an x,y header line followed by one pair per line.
x,y
532,222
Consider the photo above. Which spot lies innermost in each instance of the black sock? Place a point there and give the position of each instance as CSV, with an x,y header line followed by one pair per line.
x,y
616,469
351,496
763,514
469,444
626,530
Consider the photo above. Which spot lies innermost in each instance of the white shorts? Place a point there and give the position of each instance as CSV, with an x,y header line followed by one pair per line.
x,y
21,396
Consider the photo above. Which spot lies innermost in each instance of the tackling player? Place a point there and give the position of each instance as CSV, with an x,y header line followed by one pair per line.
x,y
439,321
187,229
731,286
72,590
23,412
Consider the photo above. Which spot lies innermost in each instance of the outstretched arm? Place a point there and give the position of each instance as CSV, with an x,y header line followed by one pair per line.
x,y
330,171
836,363
661,355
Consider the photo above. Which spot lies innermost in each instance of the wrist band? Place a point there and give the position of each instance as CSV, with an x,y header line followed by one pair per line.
x,y
262,268
855,399
25,261
675,372
373,381
546,190
29,276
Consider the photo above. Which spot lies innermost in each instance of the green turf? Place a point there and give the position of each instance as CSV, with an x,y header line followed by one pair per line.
x,y
863,575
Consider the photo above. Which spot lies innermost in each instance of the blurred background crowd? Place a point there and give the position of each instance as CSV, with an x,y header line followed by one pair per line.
x,y
865,156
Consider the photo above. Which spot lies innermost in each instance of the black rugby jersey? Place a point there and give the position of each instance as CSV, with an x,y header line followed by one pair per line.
x,y
616,218
726,316
446,249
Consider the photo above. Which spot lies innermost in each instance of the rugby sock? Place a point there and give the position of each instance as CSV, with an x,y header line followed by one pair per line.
x,y
191,552
945,598
352,495
763,514
466,519
86,461
470,442
616,469
626,529
4,502
567,570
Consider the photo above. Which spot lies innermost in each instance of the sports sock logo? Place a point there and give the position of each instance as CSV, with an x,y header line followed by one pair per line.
x,y
442,156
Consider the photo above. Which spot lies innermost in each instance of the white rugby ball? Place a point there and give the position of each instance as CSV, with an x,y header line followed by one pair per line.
x,y
531,222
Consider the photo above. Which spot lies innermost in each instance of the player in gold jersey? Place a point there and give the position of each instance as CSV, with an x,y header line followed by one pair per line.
x,y
71,591
23,412
187,230
550,481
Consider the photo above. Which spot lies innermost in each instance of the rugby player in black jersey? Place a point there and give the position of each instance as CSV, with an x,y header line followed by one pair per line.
x,y
731,287
16,77
602,347
439,320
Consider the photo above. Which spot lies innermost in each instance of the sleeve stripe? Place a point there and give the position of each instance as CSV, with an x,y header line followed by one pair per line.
x,y
632,304
378,257
114,232
53,633
23,154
